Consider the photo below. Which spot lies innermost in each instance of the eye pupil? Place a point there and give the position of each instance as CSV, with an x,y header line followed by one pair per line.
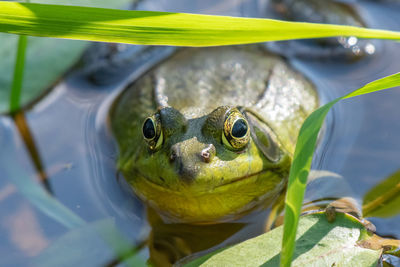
x,y
239,128
149,131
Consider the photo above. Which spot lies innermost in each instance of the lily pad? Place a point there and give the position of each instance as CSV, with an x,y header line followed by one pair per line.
x,y
318,243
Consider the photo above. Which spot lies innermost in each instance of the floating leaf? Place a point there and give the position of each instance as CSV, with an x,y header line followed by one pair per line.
x,y
162,28
318,243
383,200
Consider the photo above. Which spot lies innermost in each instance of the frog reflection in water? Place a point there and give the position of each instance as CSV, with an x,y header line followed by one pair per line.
x,y
207,136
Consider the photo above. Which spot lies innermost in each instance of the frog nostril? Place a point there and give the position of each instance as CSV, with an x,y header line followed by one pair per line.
x,y
172,157
208,153
174,154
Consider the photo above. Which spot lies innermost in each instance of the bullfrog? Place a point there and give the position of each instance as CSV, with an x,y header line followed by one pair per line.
x,y
208,135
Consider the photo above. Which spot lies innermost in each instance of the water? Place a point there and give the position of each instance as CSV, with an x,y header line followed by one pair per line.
x,y
77,154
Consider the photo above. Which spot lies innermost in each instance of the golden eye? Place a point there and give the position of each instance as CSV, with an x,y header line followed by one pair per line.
x,y
236,132
152,133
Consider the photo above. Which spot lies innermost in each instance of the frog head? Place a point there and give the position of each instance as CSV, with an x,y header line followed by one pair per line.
x,y
205,169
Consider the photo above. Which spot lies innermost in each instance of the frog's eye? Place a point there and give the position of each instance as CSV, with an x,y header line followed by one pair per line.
x,y
152,133
236,132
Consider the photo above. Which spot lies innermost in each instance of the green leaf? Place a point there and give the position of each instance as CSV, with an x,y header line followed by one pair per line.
x,y
319,243
383,200
162,28
303,157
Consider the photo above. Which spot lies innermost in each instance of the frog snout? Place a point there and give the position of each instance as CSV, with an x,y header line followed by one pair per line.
x,y
188,160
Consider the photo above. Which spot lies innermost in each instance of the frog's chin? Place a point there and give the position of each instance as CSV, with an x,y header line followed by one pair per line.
x,y
221,203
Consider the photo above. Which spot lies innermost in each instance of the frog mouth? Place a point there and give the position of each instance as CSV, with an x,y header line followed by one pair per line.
x,y
161,187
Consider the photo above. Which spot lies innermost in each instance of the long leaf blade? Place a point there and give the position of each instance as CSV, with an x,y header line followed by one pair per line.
x,y
162,28
303,157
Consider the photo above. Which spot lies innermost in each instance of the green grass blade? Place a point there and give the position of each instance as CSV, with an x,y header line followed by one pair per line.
x,y
302,162
15,96
162,28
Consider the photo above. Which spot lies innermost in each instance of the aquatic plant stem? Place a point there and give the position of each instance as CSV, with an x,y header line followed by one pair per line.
x,y
30,144
19,68
15,95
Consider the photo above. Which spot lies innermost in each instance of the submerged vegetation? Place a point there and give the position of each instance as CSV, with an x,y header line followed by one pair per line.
x,y
158,28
